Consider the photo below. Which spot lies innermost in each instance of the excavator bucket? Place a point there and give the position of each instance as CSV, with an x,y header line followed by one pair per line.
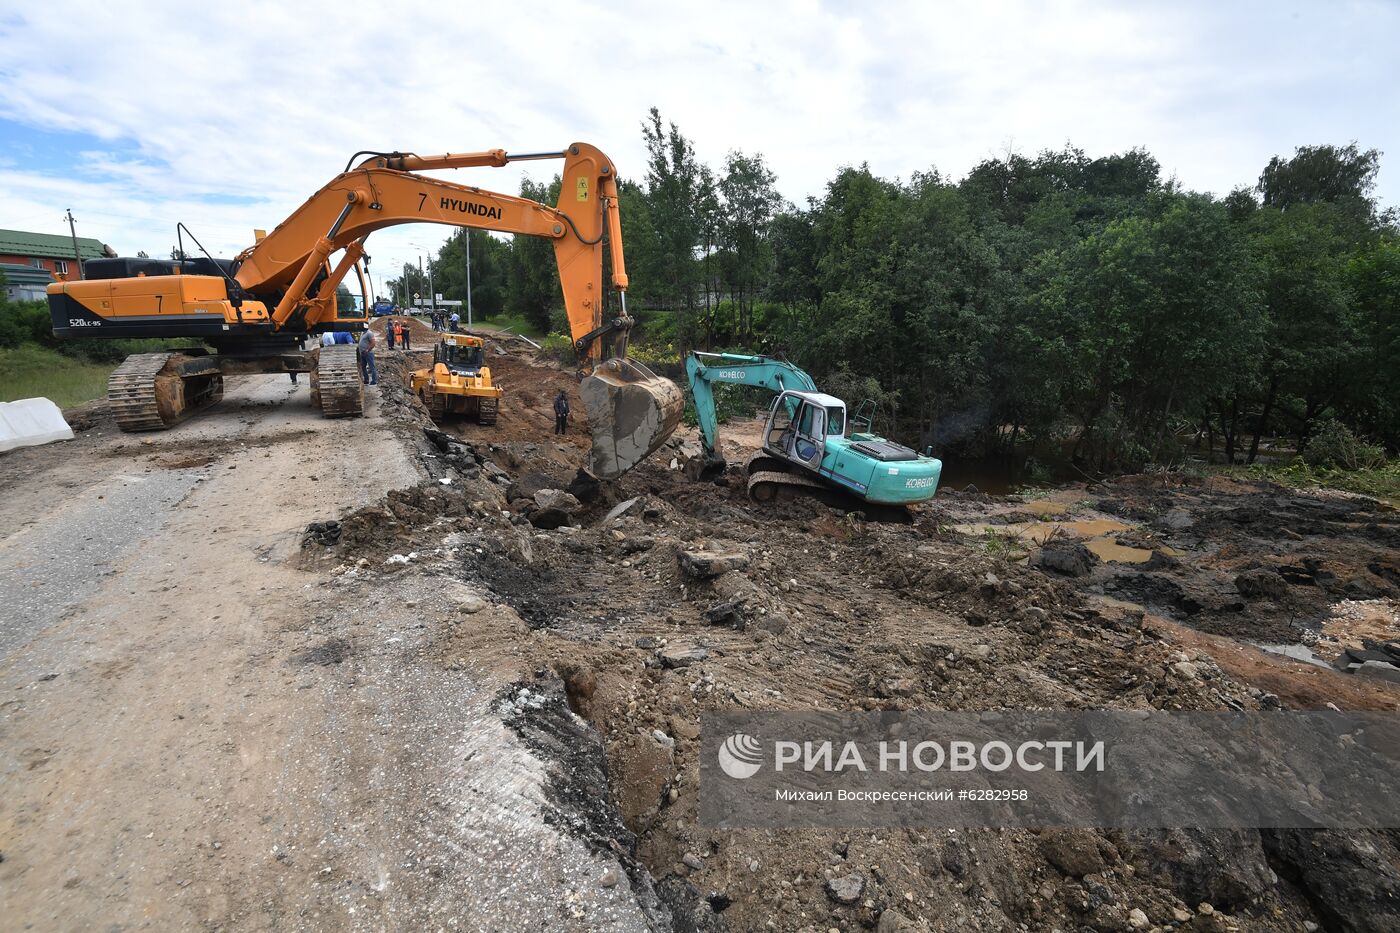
x,y
631,412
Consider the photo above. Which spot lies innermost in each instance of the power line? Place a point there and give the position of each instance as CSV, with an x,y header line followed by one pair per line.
x,y
164,220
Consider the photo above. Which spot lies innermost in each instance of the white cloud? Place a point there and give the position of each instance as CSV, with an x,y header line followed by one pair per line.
x,y
266,101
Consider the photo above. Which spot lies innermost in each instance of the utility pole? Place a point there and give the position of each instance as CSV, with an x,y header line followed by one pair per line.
x,y
432,295
469,279
77,256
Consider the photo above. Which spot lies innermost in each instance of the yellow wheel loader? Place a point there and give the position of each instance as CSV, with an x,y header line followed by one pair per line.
x,y
459,381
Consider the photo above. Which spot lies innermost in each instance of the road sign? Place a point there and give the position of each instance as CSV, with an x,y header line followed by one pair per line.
x,y
446,302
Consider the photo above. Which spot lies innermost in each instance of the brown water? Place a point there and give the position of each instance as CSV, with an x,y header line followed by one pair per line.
x,y
1096,533
1002,476
1106,550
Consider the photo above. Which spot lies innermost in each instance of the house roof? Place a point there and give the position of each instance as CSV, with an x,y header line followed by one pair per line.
x,y
24,275
48,245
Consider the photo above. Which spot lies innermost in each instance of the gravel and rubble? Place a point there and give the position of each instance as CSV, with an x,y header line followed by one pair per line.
x,y
642,604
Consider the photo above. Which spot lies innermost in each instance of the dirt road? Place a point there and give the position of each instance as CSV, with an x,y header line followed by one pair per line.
x,y
196,734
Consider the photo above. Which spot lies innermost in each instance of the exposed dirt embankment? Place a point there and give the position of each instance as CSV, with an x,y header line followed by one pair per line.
x,y
1138,594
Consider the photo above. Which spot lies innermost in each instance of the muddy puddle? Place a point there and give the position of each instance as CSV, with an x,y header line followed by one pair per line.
x,y
1097,534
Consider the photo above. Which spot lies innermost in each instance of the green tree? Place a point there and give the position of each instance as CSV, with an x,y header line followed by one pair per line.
x,y
531,282
679,189
490,266
1159,313
1342,175
1373,280
749,201
1311,339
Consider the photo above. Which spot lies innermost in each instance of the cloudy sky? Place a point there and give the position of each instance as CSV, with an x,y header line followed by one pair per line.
x,y
227,116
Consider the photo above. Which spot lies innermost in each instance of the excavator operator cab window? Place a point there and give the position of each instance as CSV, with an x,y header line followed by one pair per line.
x,y
780,422
835,421
811,434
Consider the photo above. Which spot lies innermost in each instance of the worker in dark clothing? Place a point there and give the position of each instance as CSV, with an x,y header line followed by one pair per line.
x,y
561,413
390,326
369,374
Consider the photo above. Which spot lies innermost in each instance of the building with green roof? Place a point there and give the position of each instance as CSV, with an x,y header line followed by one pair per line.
x,y
51,252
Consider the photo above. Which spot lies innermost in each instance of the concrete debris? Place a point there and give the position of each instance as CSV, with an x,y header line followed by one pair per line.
x,y
732,613
678,656
704,565
846,889
621,509
31,422
557,499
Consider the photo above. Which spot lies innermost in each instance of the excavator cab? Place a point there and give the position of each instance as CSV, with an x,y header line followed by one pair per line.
x,y
799,424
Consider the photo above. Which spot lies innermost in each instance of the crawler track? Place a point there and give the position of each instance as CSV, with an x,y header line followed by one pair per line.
x,y
146,393
338,387
436,404
766,486
769,481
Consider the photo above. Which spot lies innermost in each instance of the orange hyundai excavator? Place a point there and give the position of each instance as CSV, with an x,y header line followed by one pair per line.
x,y
257,309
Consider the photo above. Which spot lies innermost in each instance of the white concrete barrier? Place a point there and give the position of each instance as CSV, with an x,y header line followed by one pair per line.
x,y
31,421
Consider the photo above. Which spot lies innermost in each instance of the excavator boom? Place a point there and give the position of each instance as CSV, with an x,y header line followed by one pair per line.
x,y
705,369
630,410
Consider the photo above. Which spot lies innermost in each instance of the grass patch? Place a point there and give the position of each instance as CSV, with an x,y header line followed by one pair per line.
x,y
1003,546
1382,482
31,371
514,323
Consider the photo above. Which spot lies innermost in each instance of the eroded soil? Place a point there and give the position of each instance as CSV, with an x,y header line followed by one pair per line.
x,y
1144,593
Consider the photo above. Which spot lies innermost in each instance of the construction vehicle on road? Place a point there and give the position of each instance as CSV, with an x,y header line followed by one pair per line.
x,y
256,310
806,447
459,381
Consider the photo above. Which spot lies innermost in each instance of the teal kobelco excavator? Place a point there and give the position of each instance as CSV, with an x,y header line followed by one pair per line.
x,y
806,446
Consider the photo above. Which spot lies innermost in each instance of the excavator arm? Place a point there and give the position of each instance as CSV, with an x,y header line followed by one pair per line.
x,y
385,191
630,410
703,370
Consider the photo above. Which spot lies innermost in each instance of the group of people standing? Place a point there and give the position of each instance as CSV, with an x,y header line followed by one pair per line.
x,y
443,321
398,331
